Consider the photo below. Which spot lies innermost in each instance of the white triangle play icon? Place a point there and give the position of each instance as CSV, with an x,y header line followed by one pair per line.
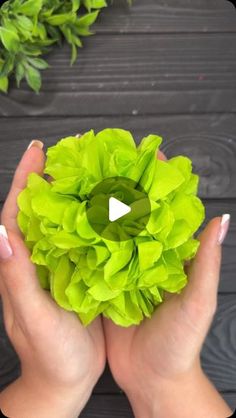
x,y
117,209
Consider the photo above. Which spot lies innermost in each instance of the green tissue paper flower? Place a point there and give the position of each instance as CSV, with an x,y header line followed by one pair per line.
x,y
87,273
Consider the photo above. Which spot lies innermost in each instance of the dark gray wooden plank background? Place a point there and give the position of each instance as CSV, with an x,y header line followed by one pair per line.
x,y
166,67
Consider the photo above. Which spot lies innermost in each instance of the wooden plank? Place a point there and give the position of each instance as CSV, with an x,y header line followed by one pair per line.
x,y
106,384
228,269
141,74
219,354
209,140
107,406
230,398
9,363
167,16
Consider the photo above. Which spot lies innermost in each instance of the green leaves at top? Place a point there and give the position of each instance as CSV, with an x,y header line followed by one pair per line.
x,y
33,78
28,28
9,39
29,7
94,4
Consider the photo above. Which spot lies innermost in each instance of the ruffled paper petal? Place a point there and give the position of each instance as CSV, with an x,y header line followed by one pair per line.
x,y
88,274
167,178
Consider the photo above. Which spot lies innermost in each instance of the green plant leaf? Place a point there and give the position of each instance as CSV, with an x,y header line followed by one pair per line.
x,y
39,63
83,31
73,53
20,72
9,39
30,7
75,5
60,19
33,78
94,4
39,31
8,65
29,27
25,24
4,84
87,19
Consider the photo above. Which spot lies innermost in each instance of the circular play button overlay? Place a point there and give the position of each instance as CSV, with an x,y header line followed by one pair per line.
x,y
118,209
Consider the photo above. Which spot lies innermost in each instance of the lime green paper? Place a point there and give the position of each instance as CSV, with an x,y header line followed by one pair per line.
x,y
87,274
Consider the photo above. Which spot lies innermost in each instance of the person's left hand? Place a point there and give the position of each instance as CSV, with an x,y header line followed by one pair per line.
x,y
61,360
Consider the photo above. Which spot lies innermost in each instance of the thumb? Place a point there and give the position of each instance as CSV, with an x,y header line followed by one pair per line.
x,y
204,270
18,274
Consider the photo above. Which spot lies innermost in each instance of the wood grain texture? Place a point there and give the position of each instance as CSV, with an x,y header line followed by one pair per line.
x,y
230,398
130,75
167,16
166,67
209,140
9,363
219,352
227,278
107,406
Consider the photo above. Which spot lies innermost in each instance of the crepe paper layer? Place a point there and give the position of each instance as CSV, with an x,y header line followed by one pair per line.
x,y
90,275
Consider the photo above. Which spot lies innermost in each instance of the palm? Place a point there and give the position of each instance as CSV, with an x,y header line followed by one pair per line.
x,y
65,349
165,345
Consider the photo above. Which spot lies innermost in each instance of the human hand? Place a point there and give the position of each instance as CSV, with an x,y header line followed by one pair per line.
x,y
157,363
61,360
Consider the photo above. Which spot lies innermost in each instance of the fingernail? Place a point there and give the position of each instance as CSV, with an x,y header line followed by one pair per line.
x,y
36,143
224,226
5,248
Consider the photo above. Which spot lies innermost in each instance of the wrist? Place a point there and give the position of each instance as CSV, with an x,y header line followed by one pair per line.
x,y
22,400
191,394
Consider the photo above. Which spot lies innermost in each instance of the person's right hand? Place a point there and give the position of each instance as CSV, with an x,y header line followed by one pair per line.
x,y
157,363
61,359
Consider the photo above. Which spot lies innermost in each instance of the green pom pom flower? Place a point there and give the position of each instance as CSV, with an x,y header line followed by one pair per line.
x,y
89,274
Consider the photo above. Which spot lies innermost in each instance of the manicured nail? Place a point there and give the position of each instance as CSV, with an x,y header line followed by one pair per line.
x,y
5,248
78,135
224,226
36,143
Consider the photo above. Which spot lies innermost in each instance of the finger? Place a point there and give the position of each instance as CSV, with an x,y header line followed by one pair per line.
x,y
95,329
117,334
6,307
18,275
31,161
168,295
204,270
161,156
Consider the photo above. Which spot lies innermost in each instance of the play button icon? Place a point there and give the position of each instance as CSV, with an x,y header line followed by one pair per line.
x,y
118,209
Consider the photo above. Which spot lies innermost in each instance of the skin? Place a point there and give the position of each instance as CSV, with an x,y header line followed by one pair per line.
x,y
156,363
61,360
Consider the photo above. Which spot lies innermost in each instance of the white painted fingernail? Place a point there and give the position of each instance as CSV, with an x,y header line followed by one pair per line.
x,y
36,143
5,248
224,226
